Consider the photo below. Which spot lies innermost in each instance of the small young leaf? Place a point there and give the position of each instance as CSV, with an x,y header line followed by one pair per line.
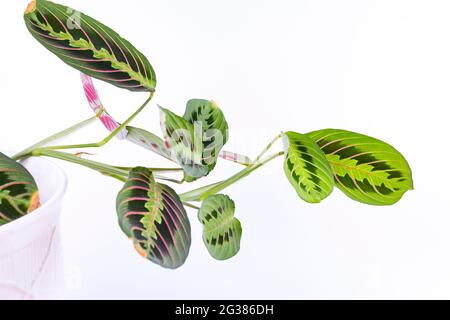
x,y
306,168
89,46
222,232
18,191
195,140
365,169
152,216
184,144
206,115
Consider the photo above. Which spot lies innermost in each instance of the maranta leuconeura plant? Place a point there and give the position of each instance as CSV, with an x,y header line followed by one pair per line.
x,y
150,212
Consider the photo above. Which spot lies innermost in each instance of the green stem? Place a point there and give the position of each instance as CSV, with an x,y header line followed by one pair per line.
x,y
159,177
190,205
267,148
54,137
94,165
120,173
236,158
204,192
109,137
161,170
120,178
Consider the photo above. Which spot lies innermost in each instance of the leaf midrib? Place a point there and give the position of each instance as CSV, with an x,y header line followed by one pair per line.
x,y
111,58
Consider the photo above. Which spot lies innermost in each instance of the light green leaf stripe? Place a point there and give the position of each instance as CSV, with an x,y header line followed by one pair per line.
x,y
365,169
210,120
195,140
19,193
152,216
307,168
89,46
222,232
183,143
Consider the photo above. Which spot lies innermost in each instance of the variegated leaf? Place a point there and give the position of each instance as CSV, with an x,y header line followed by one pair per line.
x,y
197,138
184,144
152,216
222,232
148,141
365,169
89,46
306,168
18,191
210,120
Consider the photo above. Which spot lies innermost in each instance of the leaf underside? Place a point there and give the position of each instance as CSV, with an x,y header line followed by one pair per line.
x,y
18,191
89,46
152,216
307,168
147,140
222,232
365,169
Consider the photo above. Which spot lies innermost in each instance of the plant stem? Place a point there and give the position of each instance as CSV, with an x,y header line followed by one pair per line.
x,y
236,158
109,137
194,195
267,148
120,173
190,205
97,166
161,170
204,192
159,177
55,136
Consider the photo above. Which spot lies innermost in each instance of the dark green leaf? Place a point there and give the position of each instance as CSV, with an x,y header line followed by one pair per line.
x,y
222,232
152,216
365,169
208,119
89,46
306,167
18,191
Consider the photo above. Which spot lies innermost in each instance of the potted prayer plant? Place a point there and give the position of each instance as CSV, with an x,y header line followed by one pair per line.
x,y
150,212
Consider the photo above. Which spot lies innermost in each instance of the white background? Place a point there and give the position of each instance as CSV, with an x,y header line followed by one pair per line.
x,y
376,67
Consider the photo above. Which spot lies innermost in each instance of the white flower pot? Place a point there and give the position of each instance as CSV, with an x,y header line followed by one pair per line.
x,y
30,254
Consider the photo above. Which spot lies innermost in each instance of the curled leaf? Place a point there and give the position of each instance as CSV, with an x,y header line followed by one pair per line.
x,y
222,232
89,46
307,168
19,193
152,216
196,139
96,105
365,169
207,117
183,143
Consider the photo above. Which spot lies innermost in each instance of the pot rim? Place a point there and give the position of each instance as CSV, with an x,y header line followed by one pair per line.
x,y
42,211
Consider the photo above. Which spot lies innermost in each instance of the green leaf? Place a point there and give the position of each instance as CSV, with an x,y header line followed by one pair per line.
x,y
207,116
222,232
152,216
184,144
195,140
307,168
148,141
19,193
365,169
89,46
